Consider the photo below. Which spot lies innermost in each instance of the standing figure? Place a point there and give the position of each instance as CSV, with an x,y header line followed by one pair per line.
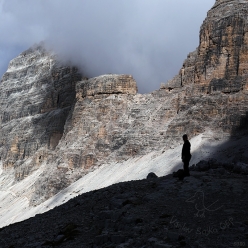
x,y
186,156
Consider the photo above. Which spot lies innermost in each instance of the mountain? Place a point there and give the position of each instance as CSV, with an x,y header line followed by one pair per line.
x,y
63,134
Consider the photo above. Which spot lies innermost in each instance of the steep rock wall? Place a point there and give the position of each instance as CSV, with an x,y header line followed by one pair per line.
x,y
105,128
222,56
213,79
36,95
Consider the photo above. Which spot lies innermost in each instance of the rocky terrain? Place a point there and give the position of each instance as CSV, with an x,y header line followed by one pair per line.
x,y
58,127
207,209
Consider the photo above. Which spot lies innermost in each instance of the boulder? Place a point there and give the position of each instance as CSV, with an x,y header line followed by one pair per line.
x,y
151,175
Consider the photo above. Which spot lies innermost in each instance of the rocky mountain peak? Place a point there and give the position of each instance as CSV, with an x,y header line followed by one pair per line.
x,y
221,56
36,95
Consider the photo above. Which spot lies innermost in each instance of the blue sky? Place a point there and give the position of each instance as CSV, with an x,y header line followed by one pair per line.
x,y
146,38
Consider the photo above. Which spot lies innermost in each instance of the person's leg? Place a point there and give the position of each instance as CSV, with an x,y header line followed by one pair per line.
x,y
186,168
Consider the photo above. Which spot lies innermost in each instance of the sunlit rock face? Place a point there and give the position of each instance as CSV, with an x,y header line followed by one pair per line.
x,y
36,95
214,78
107,84
220,61
222,56
110,122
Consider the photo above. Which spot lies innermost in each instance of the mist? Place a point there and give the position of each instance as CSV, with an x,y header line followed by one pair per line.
x,y
144,38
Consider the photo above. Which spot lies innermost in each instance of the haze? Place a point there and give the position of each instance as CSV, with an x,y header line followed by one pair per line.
x,y
146,38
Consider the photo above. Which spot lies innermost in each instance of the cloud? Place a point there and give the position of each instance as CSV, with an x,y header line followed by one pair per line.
x,y
148,39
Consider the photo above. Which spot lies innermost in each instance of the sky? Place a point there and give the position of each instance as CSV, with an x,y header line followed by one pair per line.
x,y
148,39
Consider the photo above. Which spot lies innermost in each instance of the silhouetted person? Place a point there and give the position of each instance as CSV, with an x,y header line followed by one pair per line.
x,y
186,156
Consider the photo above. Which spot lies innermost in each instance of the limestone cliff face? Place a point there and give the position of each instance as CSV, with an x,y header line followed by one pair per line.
x,y
220,61
36,95
112,127
51,118
107,124
107,85
222,56
213,79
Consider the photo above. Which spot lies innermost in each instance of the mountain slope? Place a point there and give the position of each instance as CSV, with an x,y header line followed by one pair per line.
x,y
205,210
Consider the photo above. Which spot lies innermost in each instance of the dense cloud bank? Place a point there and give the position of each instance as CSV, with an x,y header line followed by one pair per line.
x,y
148,39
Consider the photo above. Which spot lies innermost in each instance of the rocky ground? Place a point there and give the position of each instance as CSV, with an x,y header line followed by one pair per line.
x,y
207,209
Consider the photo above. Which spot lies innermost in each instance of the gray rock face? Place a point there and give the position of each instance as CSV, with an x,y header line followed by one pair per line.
x,y
36,95
108,84
104,128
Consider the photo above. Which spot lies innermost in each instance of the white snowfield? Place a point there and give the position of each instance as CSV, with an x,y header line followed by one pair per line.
x,y
14,200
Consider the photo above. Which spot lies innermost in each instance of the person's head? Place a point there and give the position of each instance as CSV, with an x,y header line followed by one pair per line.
x,y
185,137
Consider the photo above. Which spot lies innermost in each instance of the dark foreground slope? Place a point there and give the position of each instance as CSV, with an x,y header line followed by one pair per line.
x,y
207,209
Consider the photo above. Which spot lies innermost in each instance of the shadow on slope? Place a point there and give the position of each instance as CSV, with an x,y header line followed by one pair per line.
x,y
232,150
229,149
146,213
223,147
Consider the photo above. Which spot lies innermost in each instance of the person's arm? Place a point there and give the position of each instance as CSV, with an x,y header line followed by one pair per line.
x,y
183,151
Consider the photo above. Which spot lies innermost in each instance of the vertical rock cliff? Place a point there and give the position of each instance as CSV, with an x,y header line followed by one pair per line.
x,y
214,77
36,95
